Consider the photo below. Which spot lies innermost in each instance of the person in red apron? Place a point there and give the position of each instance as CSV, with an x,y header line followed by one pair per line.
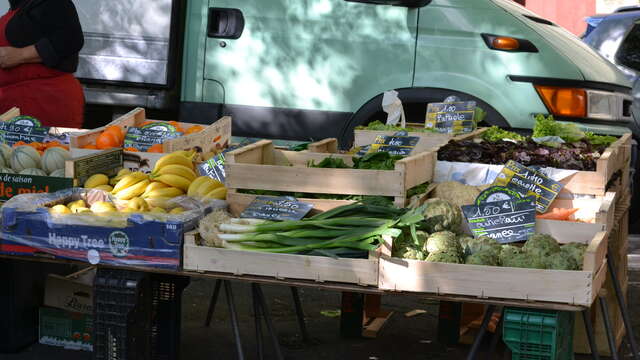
x,y
39,45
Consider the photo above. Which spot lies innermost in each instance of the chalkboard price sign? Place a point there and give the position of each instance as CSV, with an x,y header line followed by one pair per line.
x,y
528,182
451,117
276,208
506,221
213,168
145,137
399,143
22,128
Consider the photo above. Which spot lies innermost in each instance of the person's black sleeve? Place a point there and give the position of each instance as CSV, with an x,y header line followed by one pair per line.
x,y
61,29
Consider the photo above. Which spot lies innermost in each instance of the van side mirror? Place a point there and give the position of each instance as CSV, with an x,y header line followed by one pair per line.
x,y
404,3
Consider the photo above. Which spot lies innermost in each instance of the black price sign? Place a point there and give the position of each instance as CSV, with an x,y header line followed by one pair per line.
x,y
506,221
529,182
399,143
451,117
23,128
213,168
276,208
145,137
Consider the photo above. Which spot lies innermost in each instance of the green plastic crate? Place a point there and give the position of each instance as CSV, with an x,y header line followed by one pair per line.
x,y
538,334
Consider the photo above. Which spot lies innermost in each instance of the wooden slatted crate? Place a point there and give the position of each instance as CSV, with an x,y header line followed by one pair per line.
x,y
428,140
260,166
566,287
280,266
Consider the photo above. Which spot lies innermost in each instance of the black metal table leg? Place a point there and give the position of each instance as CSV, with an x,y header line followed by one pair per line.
x,y
607,325
267,319
234,318
300,314
258,321
586,317
212,302
496,337
481,332
623,306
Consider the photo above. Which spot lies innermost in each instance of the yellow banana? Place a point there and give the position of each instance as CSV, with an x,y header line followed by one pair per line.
x,y
154,185
177,210
176,169
175,181
138,204
208,187
219,193
186,153
107,188
123,172
195,184
96,180
173,158
169,192
132,191
114,180
159,202
129,180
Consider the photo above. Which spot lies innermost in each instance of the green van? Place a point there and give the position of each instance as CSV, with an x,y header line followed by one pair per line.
x,y
310,69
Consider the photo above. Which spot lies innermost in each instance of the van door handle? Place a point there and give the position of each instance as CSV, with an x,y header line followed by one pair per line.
x,y
225,23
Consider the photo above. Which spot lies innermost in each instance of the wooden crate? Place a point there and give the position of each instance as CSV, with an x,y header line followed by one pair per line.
x,y
428,140
260,166
279,266
10,114
216,136
567,287
600,210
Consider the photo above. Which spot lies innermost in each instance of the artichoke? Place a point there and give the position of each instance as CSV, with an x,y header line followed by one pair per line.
x,y
443,241
541,245
404,246
483,243
561,261
486,256
575,251
444,257
440,215
506,253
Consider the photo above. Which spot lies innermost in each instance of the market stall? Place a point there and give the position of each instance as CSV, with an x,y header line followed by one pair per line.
x,y
452,213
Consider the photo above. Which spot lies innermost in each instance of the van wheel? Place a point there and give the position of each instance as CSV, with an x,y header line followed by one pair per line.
x,y
415,102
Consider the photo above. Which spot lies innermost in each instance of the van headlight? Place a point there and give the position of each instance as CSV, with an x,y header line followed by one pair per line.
x,y
583,103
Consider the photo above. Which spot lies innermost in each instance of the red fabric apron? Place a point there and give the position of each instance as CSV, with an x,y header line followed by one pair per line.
x,y
51,96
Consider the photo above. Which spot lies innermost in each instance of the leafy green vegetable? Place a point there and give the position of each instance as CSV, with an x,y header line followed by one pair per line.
x,y
380,126
381,160
330,163
548,126
604,140
299,147
495,133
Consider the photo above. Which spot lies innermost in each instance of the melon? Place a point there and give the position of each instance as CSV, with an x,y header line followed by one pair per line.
x,y
5,153
57,173
25,157
54,158
33,171
6,170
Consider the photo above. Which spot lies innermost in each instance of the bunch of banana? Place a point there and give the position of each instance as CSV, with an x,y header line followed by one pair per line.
x,y
131,185
208,188
176,170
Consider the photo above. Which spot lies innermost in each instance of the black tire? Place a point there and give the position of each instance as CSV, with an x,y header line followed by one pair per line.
x,y
415,102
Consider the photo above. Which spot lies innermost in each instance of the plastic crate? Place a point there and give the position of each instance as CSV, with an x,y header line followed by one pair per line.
x,y
538,334
137,315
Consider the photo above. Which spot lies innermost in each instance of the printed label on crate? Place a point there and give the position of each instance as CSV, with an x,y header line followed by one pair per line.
x,y
102,163
22,128
528,182
451,117
151,134
276,208
399,143
505,221
213,168
15,184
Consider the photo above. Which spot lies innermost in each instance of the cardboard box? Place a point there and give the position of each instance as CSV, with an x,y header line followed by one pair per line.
x,y
72,292
66,329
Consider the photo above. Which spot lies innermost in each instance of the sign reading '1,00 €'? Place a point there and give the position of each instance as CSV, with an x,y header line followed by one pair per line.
x,y
451,117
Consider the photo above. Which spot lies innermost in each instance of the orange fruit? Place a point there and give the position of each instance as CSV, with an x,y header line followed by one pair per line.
x,y
157,148
90,146
108,140
194,129
131,149
116,130
19,143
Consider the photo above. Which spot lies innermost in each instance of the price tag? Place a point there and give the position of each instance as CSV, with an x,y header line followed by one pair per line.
x,y
213,168
529,182
22,128
451,117
276,208
497,193
145,137
399,143
505,221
